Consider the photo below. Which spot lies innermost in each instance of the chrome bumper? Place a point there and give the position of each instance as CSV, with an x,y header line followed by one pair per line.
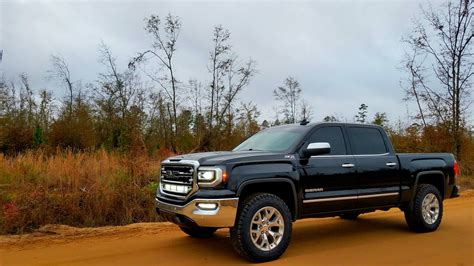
x,y
213,213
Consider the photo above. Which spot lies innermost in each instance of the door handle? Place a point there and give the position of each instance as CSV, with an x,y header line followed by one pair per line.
x,y
391,164
347,165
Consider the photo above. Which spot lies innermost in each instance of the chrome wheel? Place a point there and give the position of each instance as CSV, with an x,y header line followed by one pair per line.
x,y
267,228
430,208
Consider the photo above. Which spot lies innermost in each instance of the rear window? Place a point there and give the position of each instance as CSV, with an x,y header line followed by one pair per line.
x,y
367,140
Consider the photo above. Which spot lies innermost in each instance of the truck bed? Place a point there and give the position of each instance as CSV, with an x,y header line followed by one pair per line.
x,y
435,164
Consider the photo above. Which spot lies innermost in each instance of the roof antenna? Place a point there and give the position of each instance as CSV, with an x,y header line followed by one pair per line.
x,y
304,122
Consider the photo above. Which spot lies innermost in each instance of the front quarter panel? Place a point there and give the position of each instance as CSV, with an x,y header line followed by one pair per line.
x,y
240,174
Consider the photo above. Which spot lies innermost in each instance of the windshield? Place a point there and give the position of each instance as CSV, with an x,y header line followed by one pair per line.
x,y
276,139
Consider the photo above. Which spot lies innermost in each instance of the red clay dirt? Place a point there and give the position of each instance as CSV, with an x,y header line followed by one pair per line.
x,y
376,238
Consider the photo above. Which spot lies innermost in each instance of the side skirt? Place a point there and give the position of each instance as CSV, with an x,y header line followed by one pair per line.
x,y
340,212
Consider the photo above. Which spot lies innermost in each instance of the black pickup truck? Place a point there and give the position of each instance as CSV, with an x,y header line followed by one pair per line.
x,y
297,171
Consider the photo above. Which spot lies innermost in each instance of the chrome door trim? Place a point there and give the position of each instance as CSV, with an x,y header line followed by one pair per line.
x,y
352,197
329,199
378,195
350,155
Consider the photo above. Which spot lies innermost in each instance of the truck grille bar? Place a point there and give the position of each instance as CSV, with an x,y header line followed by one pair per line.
x,y
178,180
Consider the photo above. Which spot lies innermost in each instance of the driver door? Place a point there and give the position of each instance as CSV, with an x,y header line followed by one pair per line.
x,y
329,181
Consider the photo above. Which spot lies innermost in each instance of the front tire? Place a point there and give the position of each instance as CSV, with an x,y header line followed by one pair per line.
x,y
198,232
262,230
425,212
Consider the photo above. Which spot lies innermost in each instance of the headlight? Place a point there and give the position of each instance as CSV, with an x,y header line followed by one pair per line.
x,y
211,176
206,175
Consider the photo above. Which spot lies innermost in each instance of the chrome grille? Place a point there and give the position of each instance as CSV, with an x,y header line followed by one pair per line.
x,y
177,181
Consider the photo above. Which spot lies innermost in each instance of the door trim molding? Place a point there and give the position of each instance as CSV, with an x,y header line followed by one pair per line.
x,y
351,155
378,195
352,197
329,199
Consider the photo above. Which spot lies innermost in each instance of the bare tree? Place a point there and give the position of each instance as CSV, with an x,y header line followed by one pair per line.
x,y
27,100
8,97
121,87
229,77
413,84
60,72
196,102
289,95
444,36
4,97
120,103
45,110
220,62
247,119
306,111
165,36
158,121
238,77
195,92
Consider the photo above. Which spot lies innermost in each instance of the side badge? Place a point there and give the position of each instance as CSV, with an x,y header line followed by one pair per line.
x,y
309,190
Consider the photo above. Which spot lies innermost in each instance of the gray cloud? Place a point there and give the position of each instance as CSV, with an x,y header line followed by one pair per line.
x,y
343,53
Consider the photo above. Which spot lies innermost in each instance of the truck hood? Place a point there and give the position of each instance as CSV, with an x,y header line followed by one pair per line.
x,y
222,157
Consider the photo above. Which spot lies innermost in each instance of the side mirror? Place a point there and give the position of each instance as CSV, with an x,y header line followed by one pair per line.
x,y
317,148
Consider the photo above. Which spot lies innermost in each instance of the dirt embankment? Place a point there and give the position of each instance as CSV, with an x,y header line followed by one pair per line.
x,y
376,238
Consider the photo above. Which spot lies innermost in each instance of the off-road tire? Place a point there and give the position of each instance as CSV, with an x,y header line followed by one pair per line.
x,y
198,232
413,213
240,233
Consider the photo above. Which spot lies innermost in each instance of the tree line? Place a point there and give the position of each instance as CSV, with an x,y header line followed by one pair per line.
x,y
146,106
142,106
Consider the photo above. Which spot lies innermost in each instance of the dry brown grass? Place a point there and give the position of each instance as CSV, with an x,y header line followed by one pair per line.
x,y
83,189
78,189
465,182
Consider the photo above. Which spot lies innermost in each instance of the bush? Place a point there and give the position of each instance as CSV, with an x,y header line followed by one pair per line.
x,y
78,189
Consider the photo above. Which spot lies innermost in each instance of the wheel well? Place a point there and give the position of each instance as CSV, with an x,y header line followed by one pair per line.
x,y
435,179
283,190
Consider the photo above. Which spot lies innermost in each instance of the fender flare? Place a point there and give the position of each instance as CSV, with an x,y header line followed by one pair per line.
x,y
423,173
246,183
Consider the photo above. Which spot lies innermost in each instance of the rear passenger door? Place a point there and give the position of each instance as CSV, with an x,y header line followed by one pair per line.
x,y
377,167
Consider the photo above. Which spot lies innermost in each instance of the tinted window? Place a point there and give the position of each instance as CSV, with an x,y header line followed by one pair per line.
x,y
334,136
276,139
367,140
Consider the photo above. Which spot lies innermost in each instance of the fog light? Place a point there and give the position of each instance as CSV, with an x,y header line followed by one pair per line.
x,y
176,188
207,206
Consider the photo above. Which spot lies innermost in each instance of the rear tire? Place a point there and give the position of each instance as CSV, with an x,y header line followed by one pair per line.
x,y
425,212
198,232
349,216
262,230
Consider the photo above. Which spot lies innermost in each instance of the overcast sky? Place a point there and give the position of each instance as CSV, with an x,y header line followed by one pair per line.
x,y
343,53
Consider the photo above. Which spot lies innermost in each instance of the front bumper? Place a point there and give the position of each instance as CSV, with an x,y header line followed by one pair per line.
x,y
201,212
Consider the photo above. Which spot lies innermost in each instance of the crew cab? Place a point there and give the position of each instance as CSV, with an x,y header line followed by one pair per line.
x,y
298,171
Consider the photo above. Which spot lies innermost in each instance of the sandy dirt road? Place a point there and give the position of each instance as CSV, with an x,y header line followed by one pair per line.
x,y
377,238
